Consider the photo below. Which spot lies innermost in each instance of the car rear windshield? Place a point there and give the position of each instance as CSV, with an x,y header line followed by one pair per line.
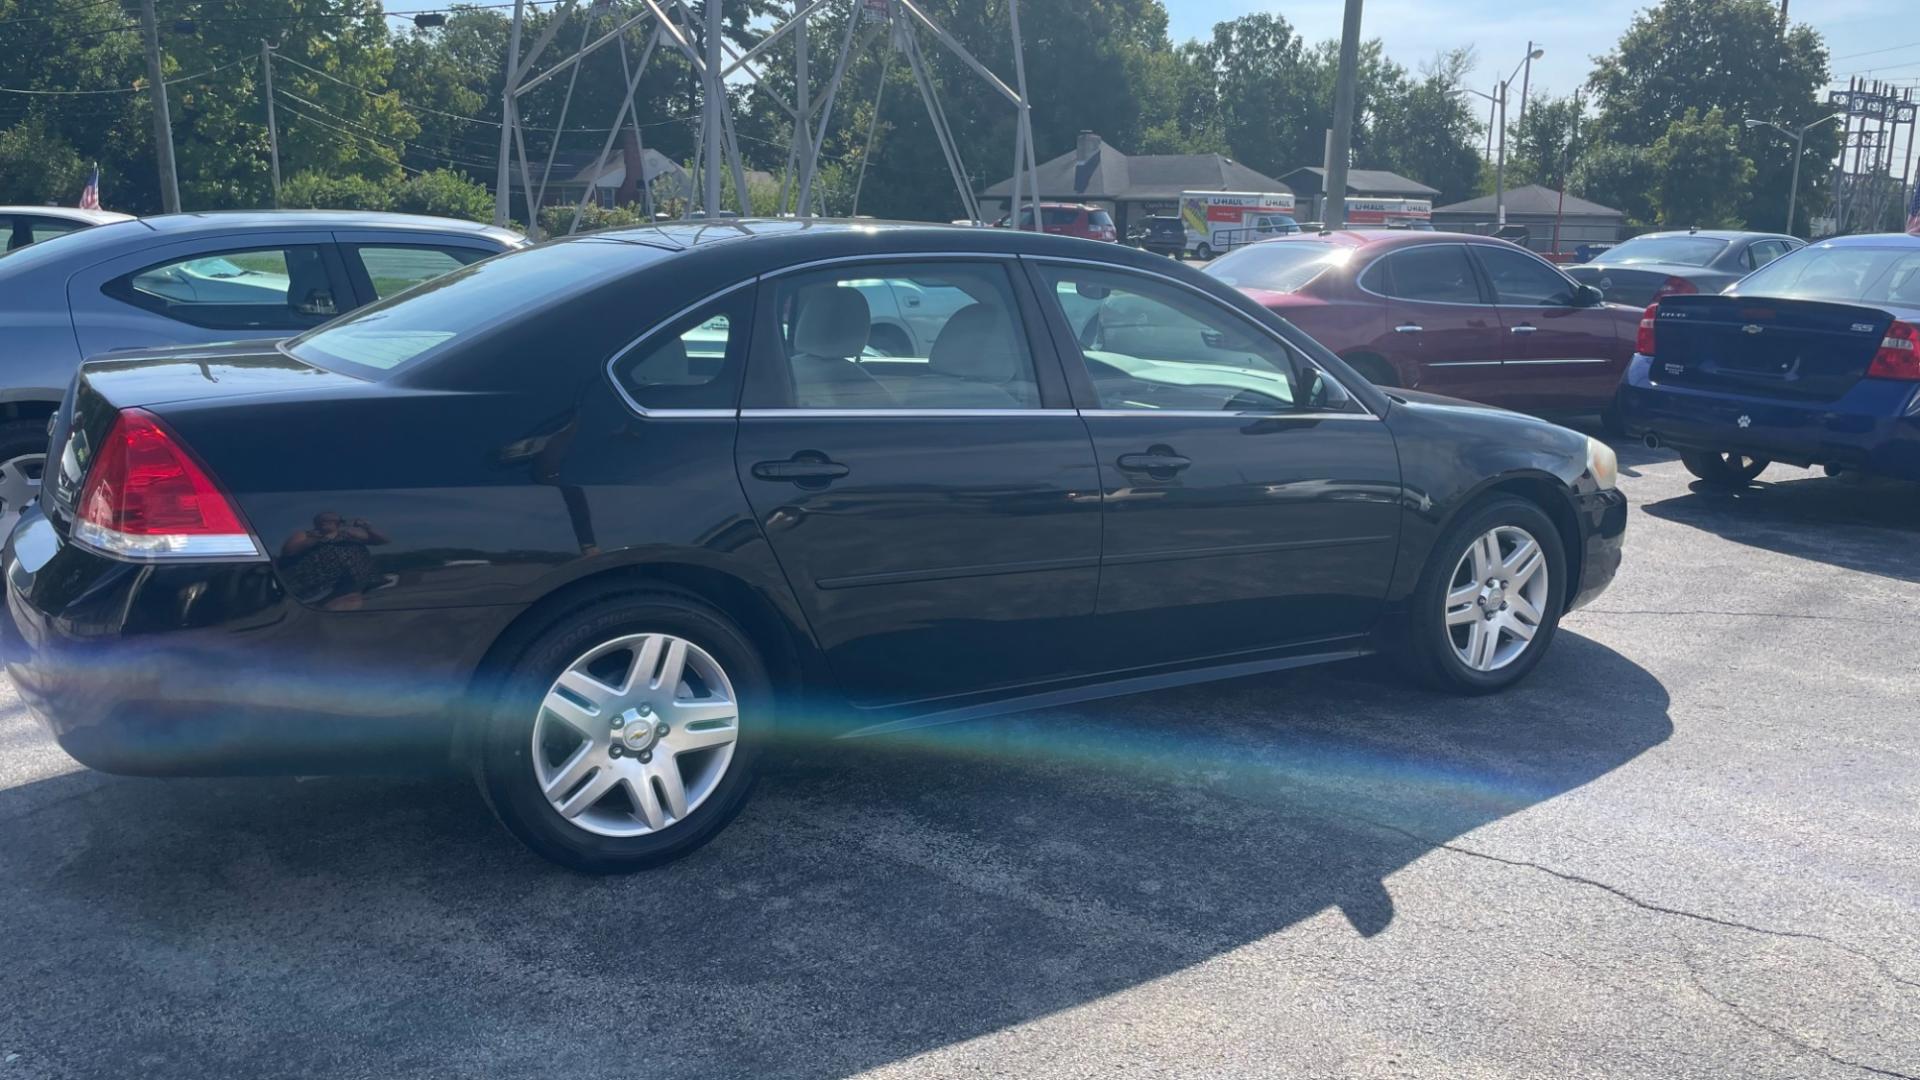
x,y
1277,267
379,340
1876,275
1675,250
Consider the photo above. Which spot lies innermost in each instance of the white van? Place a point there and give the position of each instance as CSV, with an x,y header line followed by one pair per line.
x,y
1219,221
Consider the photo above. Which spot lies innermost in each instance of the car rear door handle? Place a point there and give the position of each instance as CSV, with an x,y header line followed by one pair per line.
x,y
807,470
1522,329
1408,328
1157,460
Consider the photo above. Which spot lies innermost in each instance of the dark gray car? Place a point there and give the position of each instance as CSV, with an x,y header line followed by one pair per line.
x,y
1648,267
194,279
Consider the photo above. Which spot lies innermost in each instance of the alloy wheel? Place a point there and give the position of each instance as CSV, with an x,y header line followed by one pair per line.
x,y
19,485
1497,598
635,735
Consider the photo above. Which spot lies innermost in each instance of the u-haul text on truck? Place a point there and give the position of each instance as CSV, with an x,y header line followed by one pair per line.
x,y
1220,221
1388,212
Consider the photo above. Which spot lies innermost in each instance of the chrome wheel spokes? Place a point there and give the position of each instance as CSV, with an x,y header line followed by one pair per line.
x,y
634,735
1497,598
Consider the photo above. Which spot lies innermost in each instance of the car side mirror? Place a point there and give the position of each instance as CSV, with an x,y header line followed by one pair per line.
x,y
1588,296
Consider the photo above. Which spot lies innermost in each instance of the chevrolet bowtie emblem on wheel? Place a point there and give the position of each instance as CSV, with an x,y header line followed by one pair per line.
x,y
1751,328
1746,421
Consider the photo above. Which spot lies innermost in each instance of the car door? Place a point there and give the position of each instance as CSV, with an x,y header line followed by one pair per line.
x,y
226,288
938,517
1242,513
1568,354
1445,330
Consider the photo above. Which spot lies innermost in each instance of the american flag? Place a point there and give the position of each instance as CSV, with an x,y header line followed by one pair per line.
x,y
90,195
1913,211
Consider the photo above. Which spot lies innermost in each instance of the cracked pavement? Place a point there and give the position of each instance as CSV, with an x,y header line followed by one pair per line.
x,y
1687,847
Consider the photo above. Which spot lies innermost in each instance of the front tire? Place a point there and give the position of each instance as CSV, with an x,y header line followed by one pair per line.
x,y
626,734
1204,252
1489,600
1723,469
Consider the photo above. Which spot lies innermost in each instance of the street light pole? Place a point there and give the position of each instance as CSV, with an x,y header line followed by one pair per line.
x,y
1500,164
1799,147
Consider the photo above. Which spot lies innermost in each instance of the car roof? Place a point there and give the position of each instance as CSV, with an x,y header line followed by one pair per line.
x,y
68,213
1712,234
1863,240
881,237
198,222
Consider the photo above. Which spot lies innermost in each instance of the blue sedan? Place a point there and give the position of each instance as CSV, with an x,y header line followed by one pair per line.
x,y
1813,360
195,279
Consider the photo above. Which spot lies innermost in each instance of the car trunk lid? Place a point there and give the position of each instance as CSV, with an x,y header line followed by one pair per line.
x,y
151,378
1800,349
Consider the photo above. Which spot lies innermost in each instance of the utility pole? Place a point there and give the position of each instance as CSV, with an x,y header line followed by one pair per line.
x,y
714,99
803,105
273,127
1340,143
503,177
1500,165
162,123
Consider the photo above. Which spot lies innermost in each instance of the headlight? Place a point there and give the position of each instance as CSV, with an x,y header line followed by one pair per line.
x,y
1602,464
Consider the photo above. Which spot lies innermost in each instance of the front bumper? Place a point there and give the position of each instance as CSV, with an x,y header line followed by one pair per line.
x,y
1874,427
211,669
1603,532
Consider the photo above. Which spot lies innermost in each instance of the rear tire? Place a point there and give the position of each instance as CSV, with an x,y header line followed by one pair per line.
x,y
1204,252
1482,619
603,768
1727,470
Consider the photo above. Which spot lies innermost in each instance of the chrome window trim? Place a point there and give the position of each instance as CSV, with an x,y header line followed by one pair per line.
x,y
1202,414
655,330
815,414
1205,295
1384,256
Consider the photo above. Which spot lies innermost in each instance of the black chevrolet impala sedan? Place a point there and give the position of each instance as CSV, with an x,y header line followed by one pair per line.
x,y
602,519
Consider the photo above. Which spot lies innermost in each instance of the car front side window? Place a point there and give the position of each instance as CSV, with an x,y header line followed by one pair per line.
x,y
1521,280
1150,345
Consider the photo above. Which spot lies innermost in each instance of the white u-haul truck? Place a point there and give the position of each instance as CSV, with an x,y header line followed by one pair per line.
x,y
1219,221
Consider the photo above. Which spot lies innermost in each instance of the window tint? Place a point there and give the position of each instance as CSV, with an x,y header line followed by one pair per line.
x,y
1522,280
257,289
1435,273
693,364
1149,345
26,229
1765,251
48,228
397,268
971,350
1100,219
1058,218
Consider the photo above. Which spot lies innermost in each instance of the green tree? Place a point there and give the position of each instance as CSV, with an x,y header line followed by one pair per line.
x,y
38,166
1424,129
320,191
1729,55
444,193
1700,175
1547,142
1622,177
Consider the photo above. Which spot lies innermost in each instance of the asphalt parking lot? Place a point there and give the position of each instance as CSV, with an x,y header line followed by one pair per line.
x,y
1688,846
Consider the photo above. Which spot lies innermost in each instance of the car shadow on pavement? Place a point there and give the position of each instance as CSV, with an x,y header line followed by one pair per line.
x,y
875,901
1864,524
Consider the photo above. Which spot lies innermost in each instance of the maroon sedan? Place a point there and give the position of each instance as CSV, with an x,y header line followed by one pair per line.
x,y
1467,316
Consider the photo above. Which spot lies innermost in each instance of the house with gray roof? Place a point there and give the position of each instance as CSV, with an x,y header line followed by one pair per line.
x,y
1131,186
1535,209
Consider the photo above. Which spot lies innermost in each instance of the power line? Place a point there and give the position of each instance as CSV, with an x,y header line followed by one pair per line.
x,y
1875,52
126,89
282,92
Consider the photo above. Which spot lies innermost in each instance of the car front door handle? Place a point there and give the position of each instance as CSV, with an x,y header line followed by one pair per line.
x,y
806,470
1157,460
1408,328
1521,329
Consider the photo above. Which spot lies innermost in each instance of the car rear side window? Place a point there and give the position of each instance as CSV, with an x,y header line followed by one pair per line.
x,y
1433,273
921,336
694,363
269,289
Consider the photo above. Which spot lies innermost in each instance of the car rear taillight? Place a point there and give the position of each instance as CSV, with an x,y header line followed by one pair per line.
x,y
1643,341
147,497
1675,286
1899,355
